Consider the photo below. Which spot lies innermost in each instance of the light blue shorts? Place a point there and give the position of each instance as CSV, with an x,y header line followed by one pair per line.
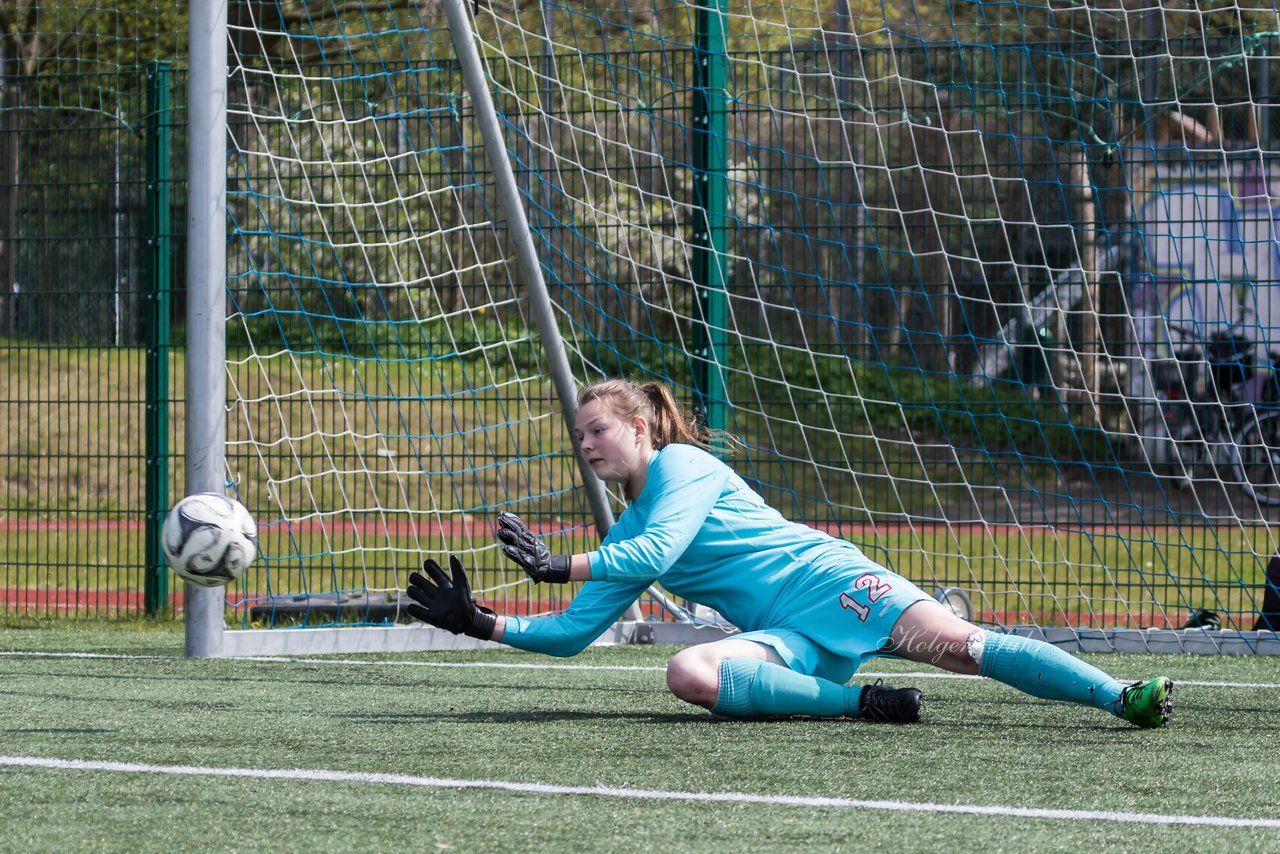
x,y
844,621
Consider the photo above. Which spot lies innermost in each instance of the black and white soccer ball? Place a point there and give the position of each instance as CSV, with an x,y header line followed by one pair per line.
x,y
209,539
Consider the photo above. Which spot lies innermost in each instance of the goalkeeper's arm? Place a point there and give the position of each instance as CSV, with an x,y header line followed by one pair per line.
x,y
446,601
597,606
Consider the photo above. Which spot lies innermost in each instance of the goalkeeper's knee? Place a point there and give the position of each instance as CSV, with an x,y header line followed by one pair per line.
x,y
693,677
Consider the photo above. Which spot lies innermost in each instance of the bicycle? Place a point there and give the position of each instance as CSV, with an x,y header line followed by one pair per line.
x,y
1223,412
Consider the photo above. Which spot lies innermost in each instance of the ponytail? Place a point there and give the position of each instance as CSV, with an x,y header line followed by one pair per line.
x,y
671,423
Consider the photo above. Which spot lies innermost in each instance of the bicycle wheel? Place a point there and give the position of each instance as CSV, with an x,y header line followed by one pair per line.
x,y
1256,463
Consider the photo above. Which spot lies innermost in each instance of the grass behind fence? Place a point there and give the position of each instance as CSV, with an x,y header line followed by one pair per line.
x,y
74,447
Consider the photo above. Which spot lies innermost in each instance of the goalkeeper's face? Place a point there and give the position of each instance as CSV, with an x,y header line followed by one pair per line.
x,y
615,448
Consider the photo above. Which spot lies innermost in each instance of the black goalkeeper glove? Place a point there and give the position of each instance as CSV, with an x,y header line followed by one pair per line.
x,y
447,603
521,545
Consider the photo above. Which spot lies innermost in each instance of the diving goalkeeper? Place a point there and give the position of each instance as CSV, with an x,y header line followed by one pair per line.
x,y
812,608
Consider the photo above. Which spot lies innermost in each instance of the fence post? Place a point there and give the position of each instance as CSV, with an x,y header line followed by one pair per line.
x,y
156,590
710,224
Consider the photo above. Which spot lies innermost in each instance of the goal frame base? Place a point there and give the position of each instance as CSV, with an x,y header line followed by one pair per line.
x,y
1158,641
373,640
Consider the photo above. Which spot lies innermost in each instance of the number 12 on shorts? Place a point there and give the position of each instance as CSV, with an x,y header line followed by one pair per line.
x,y
875,587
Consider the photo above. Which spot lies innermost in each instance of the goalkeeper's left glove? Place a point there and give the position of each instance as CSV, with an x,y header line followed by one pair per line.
x,y
447,603
523,546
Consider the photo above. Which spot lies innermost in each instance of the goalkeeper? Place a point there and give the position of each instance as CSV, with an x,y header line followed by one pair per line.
x,y
812,608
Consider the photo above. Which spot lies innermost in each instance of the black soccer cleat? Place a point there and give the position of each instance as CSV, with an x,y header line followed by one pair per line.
x,y
887,704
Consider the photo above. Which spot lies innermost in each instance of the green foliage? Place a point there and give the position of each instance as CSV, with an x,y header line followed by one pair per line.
x,y
466,338
894,400
995,416
56,39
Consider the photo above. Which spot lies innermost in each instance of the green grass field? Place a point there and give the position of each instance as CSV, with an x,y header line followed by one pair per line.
x,y
113,742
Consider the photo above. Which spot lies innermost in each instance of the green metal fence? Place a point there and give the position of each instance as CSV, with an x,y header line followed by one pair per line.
x,y
89,250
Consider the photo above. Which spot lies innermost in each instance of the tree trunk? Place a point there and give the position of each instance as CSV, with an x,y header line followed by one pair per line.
x,y
10,119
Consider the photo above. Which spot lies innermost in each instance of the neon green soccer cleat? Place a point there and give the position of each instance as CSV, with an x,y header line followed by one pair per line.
x,y
1147,704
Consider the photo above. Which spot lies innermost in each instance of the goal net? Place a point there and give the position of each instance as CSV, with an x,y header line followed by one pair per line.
x,y
956,275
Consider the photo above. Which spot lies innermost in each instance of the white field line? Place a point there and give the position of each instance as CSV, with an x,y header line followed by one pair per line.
x,y
319,775
515,665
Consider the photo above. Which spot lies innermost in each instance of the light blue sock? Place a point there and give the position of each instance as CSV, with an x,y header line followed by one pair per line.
x,y
1042,670
751,688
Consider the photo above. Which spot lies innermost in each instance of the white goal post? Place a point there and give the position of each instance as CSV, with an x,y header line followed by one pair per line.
x,y
206,376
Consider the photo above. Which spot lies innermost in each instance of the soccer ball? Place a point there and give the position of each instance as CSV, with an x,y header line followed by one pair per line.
x,y
209,539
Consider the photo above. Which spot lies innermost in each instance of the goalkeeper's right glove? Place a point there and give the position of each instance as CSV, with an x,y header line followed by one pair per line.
x,y
447,603
523,546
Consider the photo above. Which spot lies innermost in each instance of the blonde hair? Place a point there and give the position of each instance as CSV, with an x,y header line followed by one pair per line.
x,y
669,422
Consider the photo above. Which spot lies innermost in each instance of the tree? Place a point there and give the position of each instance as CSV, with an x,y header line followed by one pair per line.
x,y
46,49
19,47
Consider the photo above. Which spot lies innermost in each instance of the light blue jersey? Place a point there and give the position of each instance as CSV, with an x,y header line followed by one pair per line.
x,y
704,535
